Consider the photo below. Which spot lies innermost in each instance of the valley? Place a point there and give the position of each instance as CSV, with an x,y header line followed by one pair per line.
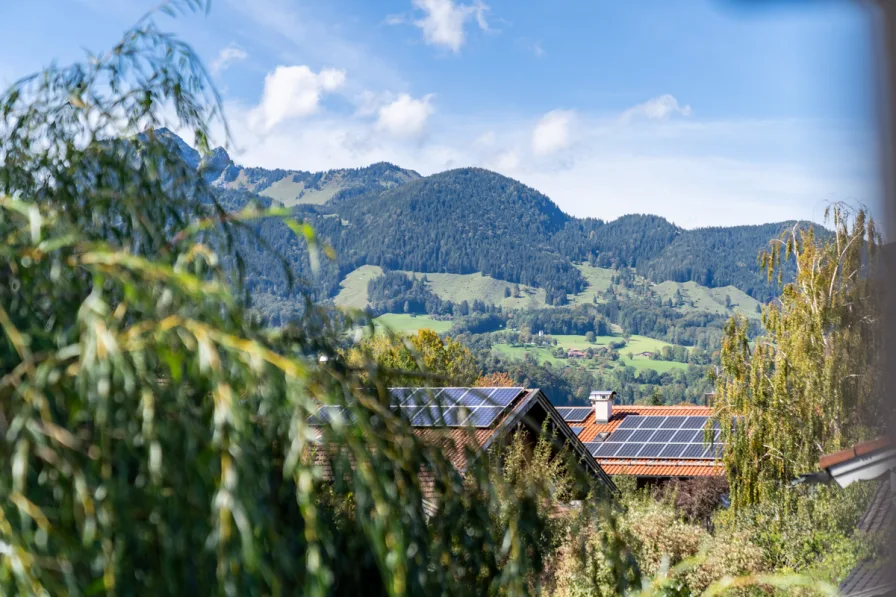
x,y
483,258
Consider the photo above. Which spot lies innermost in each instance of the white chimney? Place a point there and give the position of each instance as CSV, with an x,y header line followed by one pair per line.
x,y
603,405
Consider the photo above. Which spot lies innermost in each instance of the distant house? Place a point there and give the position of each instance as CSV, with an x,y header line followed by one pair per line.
x,y
478,418
652,443
575,353
645,354
868,461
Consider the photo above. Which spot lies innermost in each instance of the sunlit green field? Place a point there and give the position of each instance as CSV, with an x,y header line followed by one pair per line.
x,y
402,323
635,345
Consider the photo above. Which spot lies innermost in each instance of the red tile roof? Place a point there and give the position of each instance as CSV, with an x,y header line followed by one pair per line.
x,y
660,469
649,467
829,460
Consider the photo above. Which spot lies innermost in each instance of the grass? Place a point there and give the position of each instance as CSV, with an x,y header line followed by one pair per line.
x,y
598,278
470,287
404,323
451,287
712,300
635,345
353,289
642,363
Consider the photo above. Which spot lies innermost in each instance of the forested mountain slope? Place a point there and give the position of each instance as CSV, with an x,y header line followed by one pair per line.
x,y
472,220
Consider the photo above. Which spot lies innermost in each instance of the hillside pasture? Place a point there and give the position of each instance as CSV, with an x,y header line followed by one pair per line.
x,y
402,323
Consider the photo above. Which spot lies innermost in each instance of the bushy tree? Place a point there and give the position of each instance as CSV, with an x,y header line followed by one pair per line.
x,y
154,434
809,385
423,357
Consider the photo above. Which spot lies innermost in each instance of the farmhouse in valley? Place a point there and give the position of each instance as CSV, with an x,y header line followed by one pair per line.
x,y
464,420
651,443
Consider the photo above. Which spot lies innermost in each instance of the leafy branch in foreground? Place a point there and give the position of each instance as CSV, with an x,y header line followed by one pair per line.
x,y
155,435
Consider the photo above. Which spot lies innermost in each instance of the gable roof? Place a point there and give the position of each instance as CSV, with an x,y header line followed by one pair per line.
x,y
648,467
457,439
862,462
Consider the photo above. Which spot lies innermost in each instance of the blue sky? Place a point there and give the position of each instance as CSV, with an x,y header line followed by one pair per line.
x,y
705,112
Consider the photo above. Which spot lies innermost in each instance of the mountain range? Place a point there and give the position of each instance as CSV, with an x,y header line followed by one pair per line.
x,y
465,221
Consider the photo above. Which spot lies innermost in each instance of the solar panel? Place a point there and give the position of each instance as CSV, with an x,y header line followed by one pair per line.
x,y
673,422
408,412
607,449
399,395
620,435
694,423
630,422
672,450
651,450
641,435
484,416
629,450
693,451
662,436
477,396
652,422
504,396
575,414
593,447
420,397
686,436
427,416
577,430
452,396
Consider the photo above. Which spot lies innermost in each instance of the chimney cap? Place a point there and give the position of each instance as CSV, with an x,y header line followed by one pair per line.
x,y
602,395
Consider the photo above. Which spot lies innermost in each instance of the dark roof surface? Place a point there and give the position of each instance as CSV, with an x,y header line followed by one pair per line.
x,y
874,577
653,467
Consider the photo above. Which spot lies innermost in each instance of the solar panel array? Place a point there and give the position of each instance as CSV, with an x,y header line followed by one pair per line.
x,y
661,438
441,407
574,414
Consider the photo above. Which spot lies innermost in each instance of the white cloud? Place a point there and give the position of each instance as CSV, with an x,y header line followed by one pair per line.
x,y
486,139
695,173
227,56
507,161
657,108
368,103
552,133
444,21
294,92
405,117
537,49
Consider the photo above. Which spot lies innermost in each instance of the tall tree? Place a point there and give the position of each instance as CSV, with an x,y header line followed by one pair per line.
x,y
809,385
423,357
